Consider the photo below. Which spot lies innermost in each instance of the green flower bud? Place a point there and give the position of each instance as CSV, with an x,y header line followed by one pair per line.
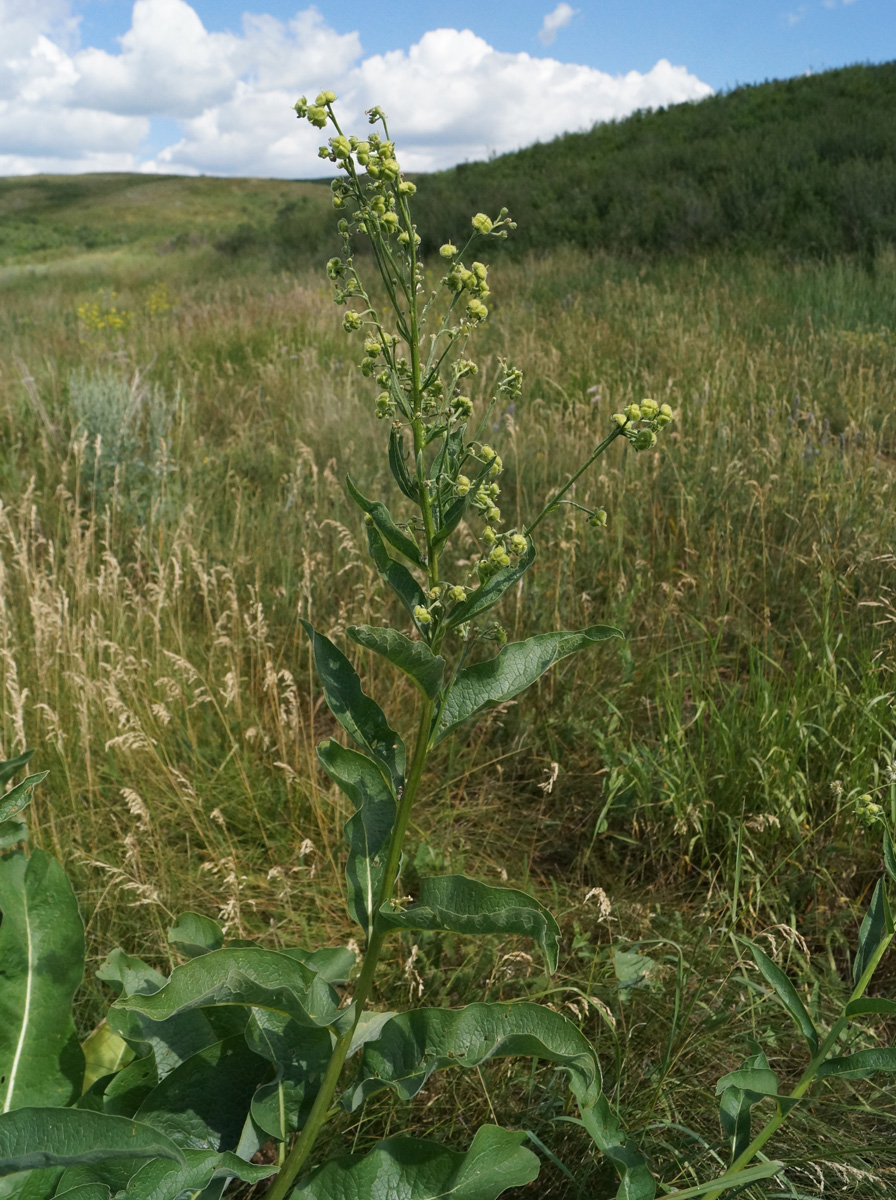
x,y
351,321
489,536
462,485
435,591
518,543
317,115
643,439
482,224
325,98
457,594
407,188
301,107
371,348
463,406
453,281
649,409
421,615
499,557
497,466
447,251
390,220
486,453
633,412
620,418
341,146
476,310
493,514
480,270
598,519
385,405
335,268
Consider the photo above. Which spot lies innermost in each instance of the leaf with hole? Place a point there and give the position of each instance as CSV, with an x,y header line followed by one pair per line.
x,y
466,906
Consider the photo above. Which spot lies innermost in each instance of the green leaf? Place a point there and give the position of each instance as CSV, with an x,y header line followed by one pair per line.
x,y
468,906
395,574
168,1181
193,934
42,952
398,465
860,1065
740,1091
19,797
450,521
414,1169
85,1191
12,832
382,519
764,1170
255,977
786,993
132,1084
367,832
858,1008
876,928
49,1136
12,766
489,593
414,658
510,672
300,1056
203,1103
413,1045
332,963
105,1052
889,855
359,716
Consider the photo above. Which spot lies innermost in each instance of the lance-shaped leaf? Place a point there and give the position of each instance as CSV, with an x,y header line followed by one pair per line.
x,y
786,993
254,977
889,855
382,519
876,928
300,1056
399,467
451,518
414,658
467,906
395,574
860,1065
42,956
866,1005
510,672
193,934
203,1103
19,797
413,1045
11,766
48,1137
414,1169
489,593
169,1181
361,717
740,1091
367,832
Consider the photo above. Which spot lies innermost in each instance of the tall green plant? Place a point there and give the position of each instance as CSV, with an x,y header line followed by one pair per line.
x,y
193,1073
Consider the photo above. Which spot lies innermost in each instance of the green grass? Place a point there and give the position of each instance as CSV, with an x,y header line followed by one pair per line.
x,y
151,585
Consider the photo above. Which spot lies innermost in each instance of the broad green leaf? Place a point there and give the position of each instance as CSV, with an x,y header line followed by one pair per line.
x,y
858,1008
49,1136
85,1191
510,672
19,797
414,1169
876,927
414,658
382,519
12,832
300,1056
413,1045
168,1181
760,1080
889,855
125,973
489,593
395,574
194,934
255,977
332,963
132,1084
741,1090
367,1029
202,1104
42,952
30,1185
398,466
367,832
860,1065
786,993
467,906
105,1052
12,766
359,716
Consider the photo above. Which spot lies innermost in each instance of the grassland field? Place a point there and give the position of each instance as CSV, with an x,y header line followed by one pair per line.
x,y
176,421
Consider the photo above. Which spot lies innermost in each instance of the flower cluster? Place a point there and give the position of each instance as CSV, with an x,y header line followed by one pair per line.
x,y
868,812
642,422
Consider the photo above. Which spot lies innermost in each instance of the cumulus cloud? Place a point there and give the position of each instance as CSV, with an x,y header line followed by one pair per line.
x,y
452,96
554,22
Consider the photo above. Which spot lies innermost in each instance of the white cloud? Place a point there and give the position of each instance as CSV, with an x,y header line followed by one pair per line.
x,y
554,22
452,97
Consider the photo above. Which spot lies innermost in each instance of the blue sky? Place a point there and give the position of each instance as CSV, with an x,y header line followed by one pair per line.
x,y
200,86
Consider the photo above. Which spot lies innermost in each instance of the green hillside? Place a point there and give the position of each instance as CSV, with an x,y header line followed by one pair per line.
x,y
806,166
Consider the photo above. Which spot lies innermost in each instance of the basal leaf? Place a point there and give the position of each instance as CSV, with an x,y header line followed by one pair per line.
x,y
331,963
42,956
413,1045
254,977
367,832
193,934
510,672
382,519
414,1169
414,658
741,1090
865,1005
395,575
49,1136
860,1065
169,1181
489,593
467,906
19,797
300,1055
876,926
360,716
786,993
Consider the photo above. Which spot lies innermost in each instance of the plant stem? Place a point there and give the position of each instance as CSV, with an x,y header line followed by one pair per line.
x,y
555,500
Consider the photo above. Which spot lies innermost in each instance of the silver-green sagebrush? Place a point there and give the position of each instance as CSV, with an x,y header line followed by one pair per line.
x,y
193,1073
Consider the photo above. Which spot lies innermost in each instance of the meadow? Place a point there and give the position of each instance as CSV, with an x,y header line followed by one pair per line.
x,y
176,421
